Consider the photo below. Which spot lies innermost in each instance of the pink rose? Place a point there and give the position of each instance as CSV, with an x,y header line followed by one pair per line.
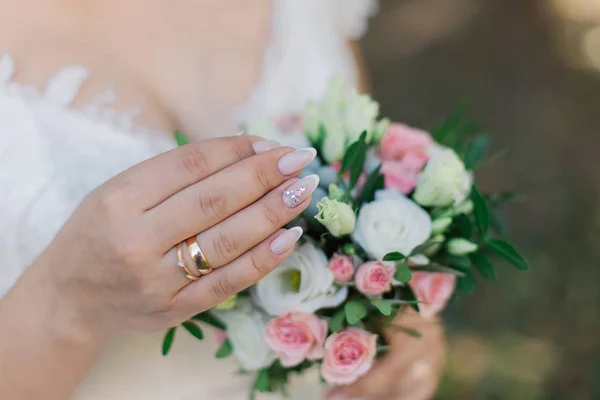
x,y
400,140
374,278
433,289
400,175
296,336
342,268
348,356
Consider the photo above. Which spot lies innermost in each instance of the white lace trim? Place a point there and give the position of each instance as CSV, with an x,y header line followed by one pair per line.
x,y
61,91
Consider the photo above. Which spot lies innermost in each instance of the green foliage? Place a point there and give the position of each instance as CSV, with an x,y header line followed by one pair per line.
x,y
508,252
384,306
168,341
438,268
395,256
180,138
209,318
354,159
422,248
225,350
374,182
476,151
466,283
403,273
481,211
194,329
355,311
336,322
484,266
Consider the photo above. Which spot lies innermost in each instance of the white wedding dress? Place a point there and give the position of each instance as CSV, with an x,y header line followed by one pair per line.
x,y
52,155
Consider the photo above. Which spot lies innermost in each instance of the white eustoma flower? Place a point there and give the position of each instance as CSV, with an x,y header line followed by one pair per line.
x,y
444,182
301,283
392,223
246,332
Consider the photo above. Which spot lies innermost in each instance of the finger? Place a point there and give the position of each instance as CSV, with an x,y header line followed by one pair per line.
x,y
379,381
231,238
420,392
246,270
152,181
215,198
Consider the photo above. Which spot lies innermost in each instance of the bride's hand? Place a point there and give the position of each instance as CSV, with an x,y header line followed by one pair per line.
x,y
113,266
410,371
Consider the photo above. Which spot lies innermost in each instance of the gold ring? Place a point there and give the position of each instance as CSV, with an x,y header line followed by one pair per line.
x,y
182,264
198,257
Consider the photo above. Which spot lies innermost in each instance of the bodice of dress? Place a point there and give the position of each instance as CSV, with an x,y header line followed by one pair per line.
x,y
52,155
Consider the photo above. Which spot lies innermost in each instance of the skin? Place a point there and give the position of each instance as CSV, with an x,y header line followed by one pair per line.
x,y
111,267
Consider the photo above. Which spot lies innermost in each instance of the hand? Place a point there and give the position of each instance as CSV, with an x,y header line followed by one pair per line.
x,y
412,368
113,266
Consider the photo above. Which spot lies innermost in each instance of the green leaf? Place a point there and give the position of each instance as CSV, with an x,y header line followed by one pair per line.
x,y
410,331
481,211
476,151
465,227
225,350
403,273
337,320
261,383
180,138
384,307
484,266
168,341
443,133
208,318
462,263
194,329
422,248
466,284
374,182
354,159
395,256
409,295
355,311
507,251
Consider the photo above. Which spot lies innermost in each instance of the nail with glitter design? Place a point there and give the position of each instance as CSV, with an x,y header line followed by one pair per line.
x,y
300,190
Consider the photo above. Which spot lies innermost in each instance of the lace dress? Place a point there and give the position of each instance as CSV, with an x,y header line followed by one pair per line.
x,y
52,155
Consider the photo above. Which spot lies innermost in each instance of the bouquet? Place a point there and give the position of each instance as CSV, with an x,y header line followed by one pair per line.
x,y
397,222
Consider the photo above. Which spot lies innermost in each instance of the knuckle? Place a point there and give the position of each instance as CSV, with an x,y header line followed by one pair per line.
x,y
110,200
240,148
261,175
225,246
128,252
222,288
273,217
212,204
195,161
259,264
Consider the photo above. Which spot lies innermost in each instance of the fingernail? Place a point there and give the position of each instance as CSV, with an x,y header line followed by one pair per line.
x,y
286,240
296,160
242,133
265,145
300,190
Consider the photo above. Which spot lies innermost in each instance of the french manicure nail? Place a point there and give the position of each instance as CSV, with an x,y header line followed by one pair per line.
x,y
300,190
265,145
296,160
286,240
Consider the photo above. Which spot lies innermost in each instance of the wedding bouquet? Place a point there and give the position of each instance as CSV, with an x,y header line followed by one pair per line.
x,y
396,222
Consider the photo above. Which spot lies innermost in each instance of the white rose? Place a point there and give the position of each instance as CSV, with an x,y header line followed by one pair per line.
x,y
301,283
392,223
246,332
444,181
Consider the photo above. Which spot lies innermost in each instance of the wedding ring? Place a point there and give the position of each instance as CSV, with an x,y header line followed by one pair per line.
x,y
182,264
198,257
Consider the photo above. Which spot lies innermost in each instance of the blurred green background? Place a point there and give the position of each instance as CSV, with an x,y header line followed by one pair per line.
x,y
530,71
